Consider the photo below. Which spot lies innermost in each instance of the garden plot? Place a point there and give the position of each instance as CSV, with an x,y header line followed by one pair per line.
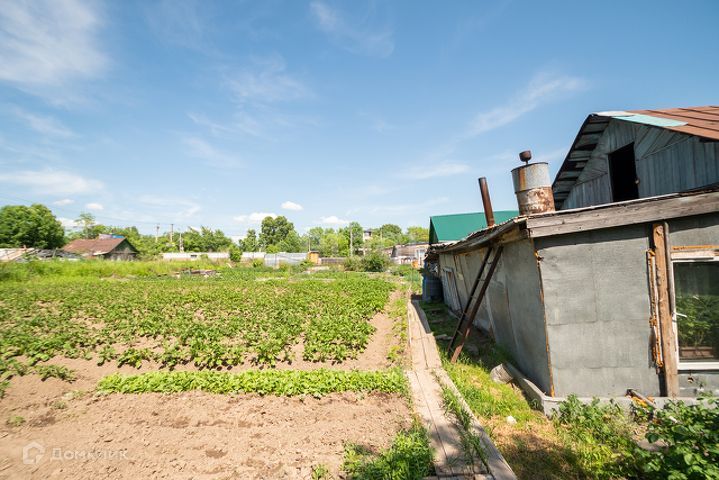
x,y
193,356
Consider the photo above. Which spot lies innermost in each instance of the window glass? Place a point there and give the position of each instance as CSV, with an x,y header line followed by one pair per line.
x,y
696,286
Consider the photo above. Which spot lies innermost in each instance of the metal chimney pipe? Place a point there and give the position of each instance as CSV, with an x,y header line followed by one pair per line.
x,y
486,201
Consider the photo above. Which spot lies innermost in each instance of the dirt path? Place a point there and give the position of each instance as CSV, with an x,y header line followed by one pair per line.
x,y
197,435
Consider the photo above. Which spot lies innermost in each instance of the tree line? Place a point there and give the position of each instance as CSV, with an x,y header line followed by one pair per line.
x,y
35,226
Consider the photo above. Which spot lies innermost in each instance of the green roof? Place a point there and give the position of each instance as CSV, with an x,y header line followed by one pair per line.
x,y
450,228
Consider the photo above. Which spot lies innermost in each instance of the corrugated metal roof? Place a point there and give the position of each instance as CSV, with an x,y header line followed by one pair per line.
x,y
450,228
96,246
699,121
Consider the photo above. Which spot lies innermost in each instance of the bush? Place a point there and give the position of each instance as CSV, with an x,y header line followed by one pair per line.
x,y
235,254
353,264
375,262
691,436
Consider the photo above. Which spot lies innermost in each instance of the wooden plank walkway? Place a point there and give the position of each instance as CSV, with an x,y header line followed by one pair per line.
x,y
424,379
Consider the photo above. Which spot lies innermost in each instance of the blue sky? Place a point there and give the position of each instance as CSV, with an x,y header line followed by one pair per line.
x,y
217,113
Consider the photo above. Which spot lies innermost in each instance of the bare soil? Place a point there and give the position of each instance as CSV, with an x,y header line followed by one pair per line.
x,y
195,435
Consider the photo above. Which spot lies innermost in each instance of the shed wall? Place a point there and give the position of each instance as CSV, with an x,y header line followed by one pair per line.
x,y
513,309
667,162
597,305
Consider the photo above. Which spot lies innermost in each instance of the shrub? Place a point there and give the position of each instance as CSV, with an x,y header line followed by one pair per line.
x,y
375,262
353,264
691,436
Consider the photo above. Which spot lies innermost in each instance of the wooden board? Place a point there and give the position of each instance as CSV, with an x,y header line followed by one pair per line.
x,y
666,325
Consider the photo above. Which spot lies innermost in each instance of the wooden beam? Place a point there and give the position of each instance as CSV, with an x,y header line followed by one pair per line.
x,y
465,322
666,325
624,213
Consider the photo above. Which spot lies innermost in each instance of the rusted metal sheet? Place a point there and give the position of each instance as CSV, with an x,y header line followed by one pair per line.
x,y
533,188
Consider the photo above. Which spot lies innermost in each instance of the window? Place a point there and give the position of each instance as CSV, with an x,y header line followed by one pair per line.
x,y
696,288
623,174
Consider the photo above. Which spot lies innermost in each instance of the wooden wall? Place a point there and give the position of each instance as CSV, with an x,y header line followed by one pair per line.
x,y
667,162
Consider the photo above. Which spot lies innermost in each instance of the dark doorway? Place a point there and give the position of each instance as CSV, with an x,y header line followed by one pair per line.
x,y
623,174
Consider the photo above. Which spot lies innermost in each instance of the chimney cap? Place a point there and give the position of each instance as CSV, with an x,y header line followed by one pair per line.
x,y
525,156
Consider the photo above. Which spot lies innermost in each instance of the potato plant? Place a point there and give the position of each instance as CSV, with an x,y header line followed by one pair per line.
x,y
212,323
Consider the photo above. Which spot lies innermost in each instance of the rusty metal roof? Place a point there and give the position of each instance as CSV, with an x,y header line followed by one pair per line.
x,y
698,121
96,246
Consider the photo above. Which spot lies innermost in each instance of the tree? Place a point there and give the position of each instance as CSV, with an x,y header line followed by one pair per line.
x,y
356,232
417,234
34,226
90,229
278,234
249,244
206,240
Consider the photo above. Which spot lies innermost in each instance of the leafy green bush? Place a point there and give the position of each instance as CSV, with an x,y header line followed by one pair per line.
x,y
409,458
375,262
265,382
353,264
690,434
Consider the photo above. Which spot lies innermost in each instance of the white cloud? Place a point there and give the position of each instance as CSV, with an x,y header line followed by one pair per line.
x,y
266,82
94,206
405,208
68,222
541,89
291,206
52,182
254,218
49,43
333,220
43,124
212,156
443,169
355,36
63,202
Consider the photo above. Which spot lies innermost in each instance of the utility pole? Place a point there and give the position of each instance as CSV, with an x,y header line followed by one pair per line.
x,y
351,250
172,232
157,232
182,245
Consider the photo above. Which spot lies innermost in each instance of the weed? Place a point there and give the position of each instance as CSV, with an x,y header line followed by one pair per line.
x,y
15,421
408,458
471,442
321,472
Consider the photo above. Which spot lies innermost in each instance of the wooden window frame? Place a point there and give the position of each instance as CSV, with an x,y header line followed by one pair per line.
x,y
692,254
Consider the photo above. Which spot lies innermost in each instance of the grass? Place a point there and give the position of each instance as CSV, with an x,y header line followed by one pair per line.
x,y
264,382
397,310
534,446
471,441
408,458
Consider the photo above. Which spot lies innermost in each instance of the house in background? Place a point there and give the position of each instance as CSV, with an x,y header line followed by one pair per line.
x,y
410,254
107,247
618,288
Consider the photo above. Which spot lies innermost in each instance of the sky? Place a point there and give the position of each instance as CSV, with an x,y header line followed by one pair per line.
x,y
219,113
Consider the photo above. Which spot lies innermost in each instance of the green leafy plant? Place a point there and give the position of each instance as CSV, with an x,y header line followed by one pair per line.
x,y
689,435
55,371
265,382
15,421
601,437
408,458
